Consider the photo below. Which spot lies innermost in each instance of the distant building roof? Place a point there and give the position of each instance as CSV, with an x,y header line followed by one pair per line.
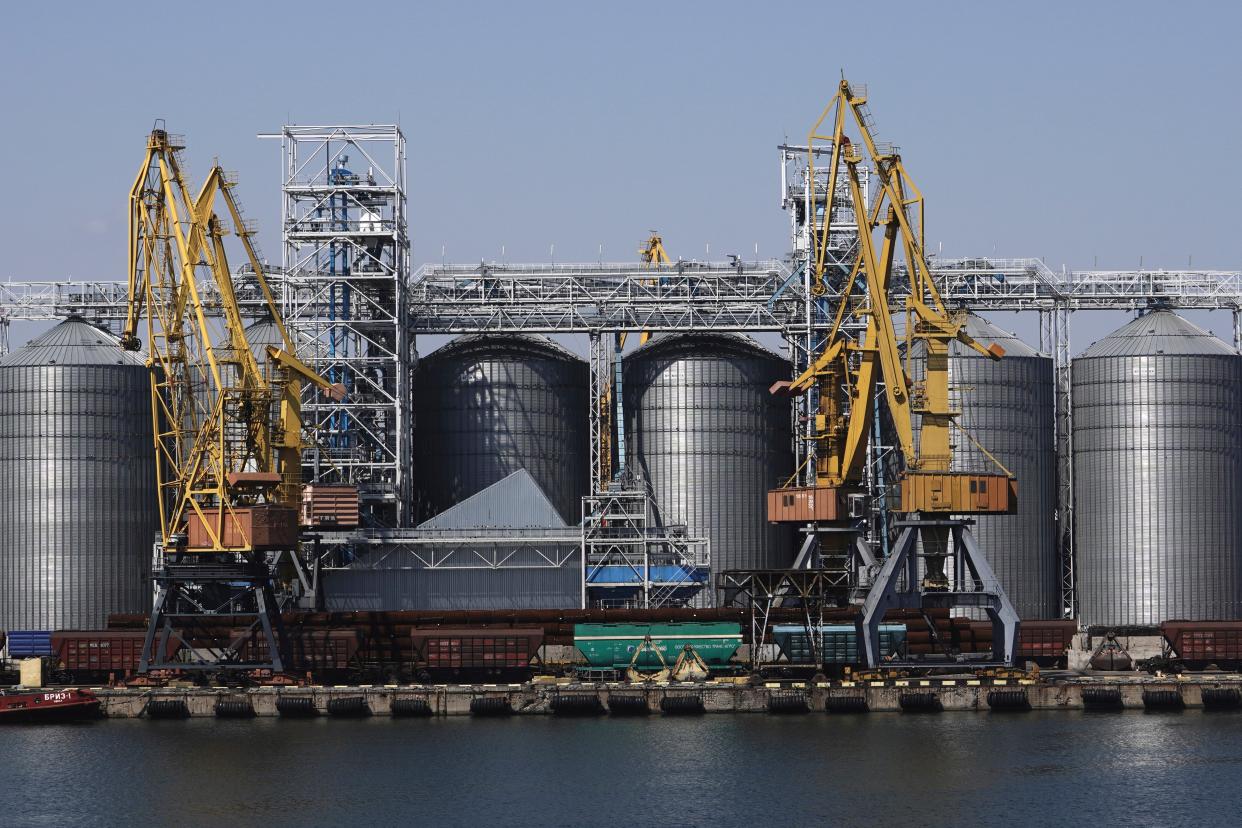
x,y
514,502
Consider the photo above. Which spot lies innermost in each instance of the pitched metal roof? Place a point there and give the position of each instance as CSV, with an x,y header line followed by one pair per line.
x,y
1158,332
514,502
73,342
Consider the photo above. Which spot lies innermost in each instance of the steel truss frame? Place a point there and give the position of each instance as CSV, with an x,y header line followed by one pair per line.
x,y
764,590
602,299
974,585
188,596
432,550
619,530
344,293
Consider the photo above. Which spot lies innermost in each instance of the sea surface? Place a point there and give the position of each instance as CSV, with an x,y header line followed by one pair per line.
x,y
960,769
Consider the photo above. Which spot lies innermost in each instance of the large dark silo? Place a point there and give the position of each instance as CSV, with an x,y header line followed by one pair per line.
x,y
703,430
488,405
1157,411
1006,406
79,516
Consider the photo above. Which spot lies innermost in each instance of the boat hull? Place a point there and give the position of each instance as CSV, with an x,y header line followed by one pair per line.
x,y
46,707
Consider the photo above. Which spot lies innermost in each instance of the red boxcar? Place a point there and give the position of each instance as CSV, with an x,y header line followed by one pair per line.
x,y
1199,644
325,653
479,654
84,656
1047,643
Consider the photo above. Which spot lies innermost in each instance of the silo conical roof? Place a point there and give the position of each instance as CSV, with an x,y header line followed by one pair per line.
x,y
739,341
1158,332
986,334
488,341
73,342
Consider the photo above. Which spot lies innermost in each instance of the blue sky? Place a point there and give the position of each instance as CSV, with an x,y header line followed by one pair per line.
x,y
1085,133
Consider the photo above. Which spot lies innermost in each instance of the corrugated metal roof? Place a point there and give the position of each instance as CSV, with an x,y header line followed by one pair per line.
x,y
501,341
700,338
73,342
986,333
513,502
1158,332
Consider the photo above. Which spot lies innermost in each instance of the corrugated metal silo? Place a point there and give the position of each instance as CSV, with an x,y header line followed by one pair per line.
x,y
488,405
78,514
1157,411
261,333
703,430
1007,406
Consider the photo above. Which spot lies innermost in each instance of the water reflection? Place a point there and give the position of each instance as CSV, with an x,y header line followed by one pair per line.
x,y
948,769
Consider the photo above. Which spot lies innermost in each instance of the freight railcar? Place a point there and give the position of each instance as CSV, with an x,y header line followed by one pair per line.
x,y
837,644
327,655
1201,645
96,656
611,648
475,654
1044,642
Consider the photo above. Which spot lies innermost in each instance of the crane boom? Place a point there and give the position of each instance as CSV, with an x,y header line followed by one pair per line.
x,y
228,429
228,422
858,373
850,368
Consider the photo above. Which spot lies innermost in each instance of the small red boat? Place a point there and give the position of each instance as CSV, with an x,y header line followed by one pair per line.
x,y
48,706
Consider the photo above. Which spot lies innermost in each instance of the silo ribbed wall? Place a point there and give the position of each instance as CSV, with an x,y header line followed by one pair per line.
x,y
1007,406
1158,475
486,406
78,515
1157,471
703,430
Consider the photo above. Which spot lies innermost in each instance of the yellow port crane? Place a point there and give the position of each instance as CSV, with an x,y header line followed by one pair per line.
x,y
228,431
860,363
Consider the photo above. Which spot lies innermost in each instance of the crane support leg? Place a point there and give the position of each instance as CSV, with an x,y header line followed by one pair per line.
x,y
898,587
884,596
195,610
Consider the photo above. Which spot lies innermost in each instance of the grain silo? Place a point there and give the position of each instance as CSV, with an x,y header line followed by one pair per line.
x,y
1157,412
1006,406
703,430
79,515
488,405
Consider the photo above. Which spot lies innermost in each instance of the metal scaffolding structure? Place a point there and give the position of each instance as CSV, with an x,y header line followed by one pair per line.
x,y
629,559
424,549
601,299
344,295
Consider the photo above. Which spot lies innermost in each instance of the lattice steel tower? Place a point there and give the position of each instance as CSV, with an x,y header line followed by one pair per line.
x,y
344,297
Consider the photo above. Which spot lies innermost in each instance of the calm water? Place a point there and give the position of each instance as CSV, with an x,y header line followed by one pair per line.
x,y
724,770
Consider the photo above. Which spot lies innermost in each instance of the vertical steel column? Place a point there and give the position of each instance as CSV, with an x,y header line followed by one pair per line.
x,y
600,383
344,294
617,420
1064,436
